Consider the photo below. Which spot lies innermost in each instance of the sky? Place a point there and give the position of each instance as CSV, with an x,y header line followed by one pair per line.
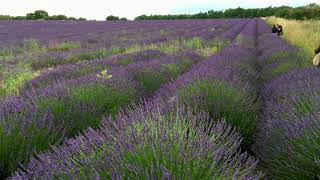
x,y
100,9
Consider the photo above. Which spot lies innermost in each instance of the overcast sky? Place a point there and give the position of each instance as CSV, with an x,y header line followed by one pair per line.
x,y
99,9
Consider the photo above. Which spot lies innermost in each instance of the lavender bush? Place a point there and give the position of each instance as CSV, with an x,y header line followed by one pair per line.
x,y
58,111
287,140
162,143
223,86
289,132
221,100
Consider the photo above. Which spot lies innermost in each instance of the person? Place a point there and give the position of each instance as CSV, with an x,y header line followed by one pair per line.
x,y
274,29
316,59
279,30
317,51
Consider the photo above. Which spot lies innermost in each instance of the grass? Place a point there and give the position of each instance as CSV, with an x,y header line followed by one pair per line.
x,y
221,101
304,106
196,44
204,48
29,47
91,55
14,78
281,68
65,46
49,62
32,45
288,61
125,61
173,69
15,149
150,80
106,100
304,34
296,158
7,53
86,105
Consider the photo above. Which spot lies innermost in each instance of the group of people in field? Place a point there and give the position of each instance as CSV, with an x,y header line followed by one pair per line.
x,y
277,29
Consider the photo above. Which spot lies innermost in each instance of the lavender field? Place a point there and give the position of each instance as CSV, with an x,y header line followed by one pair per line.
x,y
183,99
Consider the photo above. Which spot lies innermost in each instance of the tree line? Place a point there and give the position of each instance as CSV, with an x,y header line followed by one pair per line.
x,y
311,11
39,14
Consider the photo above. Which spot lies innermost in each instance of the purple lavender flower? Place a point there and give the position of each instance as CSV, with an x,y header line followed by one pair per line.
x,y
134,149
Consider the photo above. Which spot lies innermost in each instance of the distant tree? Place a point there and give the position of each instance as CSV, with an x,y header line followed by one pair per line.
x,y
30,16
82,19
283,11
215,14
20,18
57,17
295,14
112,18
40,14
123,19
235,13
72,18
311,11
5,17
141,17
313,5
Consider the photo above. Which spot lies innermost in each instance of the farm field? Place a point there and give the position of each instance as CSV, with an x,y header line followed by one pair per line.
x,y
199,99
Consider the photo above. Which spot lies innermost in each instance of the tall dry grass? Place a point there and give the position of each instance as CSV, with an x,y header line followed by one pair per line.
x,y
301,33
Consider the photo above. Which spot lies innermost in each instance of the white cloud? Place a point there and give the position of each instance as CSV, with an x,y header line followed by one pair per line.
x,y
99,9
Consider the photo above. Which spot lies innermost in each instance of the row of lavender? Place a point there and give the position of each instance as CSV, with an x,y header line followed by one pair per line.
x,y
71,71
62,102
23,58
93,35
50,109
166,138
13,31
288,137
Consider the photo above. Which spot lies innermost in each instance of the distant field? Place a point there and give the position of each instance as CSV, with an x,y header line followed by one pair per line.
x,y
28,48
303,34
182,99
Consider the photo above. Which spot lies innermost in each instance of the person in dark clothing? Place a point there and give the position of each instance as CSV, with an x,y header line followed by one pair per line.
x,y
279,30
317,51
274,29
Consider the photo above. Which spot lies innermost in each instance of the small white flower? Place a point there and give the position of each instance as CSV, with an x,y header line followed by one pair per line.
x,y
104,74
